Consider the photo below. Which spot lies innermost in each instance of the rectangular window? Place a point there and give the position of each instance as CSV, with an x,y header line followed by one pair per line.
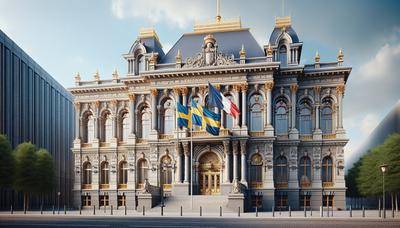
x,y
327,200
305,199
86,200
281,201
121,200
104,200
256,201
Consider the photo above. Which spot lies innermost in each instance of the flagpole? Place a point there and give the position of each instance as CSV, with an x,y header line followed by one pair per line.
x,y
191,164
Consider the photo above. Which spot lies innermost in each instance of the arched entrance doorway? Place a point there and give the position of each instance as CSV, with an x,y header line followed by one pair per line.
x,y
209,174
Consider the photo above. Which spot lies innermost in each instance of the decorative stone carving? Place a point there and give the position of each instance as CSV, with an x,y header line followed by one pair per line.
x,y
146,188
269,86
236,188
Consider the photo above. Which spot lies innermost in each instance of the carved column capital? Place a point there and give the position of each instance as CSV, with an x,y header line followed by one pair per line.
x,y
235,147
132,96
243,144
236,88
186,148
184,91
113,103
96,104
153,92
226,147
177,91
77,105
340,89
294,88
178,149
269,86
244,87
202,89
317,89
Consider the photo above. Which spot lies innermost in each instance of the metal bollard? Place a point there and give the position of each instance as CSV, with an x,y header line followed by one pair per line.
x,y
144,213
181,210
379,213
239,212
351,212
80,210
162,210
65,209
290,211
305,212
310,212
94,210
41,209
105,207
332,211
25,209
220,211
273,212
200,211
12,210
327,211
53,210
125,209
111,209
392,212
256,211
321,211
363,212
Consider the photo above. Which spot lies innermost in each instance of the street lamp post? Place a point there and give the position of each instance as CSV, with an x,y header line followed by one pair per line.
x,y
58,202
384,170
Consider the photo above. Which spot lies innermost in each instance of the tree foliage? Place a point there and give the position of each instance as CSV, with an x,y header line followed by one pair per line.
x,y
25,158
44,171
6,162
351,180
369,180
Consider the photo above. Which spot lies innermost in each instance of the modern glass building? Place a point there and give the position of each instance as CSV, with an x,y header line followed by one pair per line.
x,y
34,107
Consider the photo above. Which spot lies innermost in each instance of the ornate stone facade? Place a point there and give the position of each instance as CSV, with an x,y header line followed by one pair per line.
x,y
286,147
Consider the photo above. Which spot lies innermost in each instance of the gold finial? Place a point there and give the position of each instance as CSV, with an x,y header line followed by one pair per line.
x,y
209,39
340,56
317,57
153,58
97,75
77,77
218,17
283,22
178,57
115,74
242,52
269,51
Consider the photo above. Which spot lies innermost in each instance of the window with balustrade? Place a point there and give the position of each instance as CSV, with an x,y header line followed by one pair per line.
x,y
104,175
86,175
123,174
281,117
142,172
256,116
327,200
305,117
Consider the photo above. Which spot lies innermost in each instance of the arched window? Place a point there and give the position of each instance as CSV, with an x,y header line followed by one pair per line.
x,y
141,64
104,175
125,127
281,117
145,120
142,172
168,117
123,174
305,171
228,118
89,131
256,171
256,117
326,120
283,55
327,170
166,172
87,173
107,127
304,118
281,171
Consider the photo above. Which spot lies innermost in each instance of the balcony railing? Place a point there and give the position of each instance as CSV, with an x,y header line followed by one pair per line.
x,y
256,133
85,145
141,141
167,187
256,184
104,186
305,184
166,136
86,186
140,186
282,137
281,184
203,133
122,186
104,144
329,136
327,184
306,137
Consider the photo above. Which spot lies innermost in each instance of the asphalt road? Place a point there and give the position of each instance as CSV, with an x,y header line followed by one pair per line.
x,y
23,221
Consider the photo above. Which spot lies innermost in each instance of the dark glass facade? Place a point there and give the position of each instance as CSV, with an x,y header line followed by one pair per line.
x,y
34,107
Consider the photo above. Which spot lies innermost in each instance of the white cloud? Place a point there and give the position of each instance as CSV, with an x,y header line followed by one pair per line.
x,y
369,123
174,12
167,47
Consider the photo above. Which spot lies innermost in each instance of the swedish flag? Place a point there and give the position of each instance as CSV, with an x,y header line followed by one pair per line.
x,y
213,121
184,116
197,115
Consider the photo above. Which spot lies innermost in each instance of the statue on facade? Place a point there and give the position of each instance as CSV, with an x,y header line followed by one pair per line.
x,y
146,188
236,188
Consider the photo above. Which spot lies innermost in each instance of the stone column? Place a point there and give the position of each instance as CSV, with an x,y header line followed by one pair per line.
x,y
187,161
340,92
317,116
132,113
153,93
184,92
244,88
96,120
227,152
178,163
293,132
77,120
268,88
244,161
236,90
235,159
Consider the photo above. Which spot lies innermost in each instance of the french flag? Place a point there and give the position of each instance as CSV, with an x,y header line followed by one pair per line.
x,y
217,99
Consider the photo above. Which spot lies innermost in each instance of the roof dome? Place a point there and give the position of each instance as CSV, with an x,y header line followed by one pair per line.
x,y
283,28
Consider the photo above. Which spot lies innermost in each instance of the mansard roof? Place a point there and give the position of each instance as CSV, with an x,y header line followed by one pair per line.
x,y
276,33
228,43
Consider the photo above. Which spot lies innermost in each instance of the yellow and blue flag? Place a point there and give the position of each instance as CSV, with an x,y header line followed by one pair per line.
x,y
184,116
213,121
197,115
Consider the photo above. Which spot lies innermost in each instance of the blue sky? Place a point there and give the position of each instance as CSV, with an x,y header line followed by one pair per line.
x,y
85,35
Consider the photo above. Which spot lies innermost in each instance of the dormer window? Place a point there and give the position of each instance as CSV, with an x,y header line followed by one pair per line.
x,y
283,55
140,64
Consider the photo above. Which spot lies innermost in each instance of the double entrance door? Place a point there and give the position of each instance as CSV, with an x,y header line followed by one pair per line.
x,y
209,182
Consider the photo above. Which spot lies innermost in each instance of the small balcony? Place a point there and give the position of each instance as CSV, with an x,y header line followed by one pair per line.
x,y
122,186
86,186
104,186
141,141
256,184
140,186
281,184
327,184
329,136
166,136
256,133
306,137
282,137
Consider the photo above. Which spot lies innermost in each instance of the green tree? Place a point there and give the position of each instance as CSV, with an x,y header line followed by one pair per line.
x,y
24,178
44,170
6,162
